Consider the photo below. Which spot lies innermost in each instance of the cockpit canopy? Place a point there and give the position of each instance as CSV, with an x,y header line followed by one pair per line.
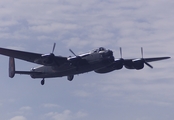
x,y
100,49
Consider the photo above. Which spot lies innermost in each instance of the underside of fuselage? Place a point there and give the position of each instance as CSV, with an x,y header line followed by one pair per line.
x,y
66,70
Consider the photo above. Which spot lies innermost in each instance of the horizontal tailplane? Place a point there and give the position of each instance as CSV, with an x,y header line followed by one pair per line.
x,y
27,72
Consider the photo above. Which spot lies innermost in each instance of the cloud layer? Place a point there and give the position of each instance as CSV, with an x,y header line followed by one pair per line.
x,y
84,25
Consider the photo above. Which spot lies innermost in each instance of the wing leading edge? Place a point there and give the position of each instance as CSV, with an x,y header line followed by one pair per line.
x,y
155,59
149,59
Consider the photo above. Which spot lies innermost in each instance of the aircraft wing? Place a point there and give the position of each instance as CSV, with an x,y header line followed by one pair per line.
x,y
137,63
155,59
149,59
30,57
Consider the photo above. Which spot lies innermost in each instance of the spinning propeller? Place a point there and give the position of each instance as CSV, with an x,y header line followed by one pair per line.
x,y
49,58
75,61
144,59
52,53
120,62
73,52
121,54
53,48
76,58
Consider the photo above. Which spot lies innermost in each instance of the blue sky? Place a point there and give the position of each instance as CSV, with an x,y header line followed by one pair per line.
x,y
34,25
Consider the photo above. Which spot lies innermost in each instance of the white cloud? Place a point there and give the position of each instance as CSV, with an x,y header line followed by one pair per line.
x,y
82,93
49,105
80,115
23,111
66,115
25,108
18,118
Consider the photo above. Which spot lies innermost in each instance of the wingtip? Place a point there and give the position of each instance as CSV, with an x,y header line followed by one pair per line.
x,y
168,57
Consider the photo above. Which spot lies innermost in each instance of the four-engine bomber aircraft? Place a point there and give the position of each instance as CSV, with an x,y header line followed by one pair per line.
x,y
100,60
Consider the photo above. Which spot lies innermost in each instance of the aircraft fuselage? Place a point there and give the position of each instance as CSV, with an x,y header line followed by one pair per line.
x,y
87,62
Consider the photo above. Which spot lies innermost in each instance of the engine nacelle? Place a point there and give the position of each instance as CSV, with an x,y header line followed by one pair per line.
x,y
134,64
138,64
47,59
114,66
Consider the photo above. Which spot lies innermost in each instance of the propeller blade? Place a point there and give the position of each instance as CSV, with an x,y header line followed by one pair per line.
x,y
72,52
54,47
121,52
148,64
142,52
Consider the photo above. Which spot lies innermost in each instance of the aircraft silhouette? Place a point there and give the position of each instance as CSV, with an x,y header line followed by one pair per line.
x,y
100,60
